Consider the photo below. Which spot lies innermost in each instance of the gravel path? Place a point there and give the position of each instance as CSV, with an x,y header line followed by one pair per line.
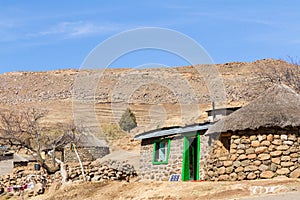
x,y
281,196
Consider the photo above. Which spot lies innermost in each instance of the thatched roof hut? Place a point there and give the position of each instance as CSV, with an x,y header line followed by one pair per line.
x,y
279,106
89,140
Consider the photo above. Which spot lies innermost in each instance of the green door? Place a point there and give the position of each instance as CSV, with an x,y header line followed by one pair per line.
x,y
191,156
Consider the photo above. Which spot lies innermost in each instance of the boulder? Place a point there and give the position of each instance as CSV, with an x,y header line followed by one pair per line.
x,y
257,162
250,168
242,157
285,158
290,143
264,156
251,176
295,173
265,143
276,153
236,164
253,137
276,160
282,147
270,137
259,150
283,137
227,163
283,171
221,170
286,164
239,169
241,176
273,167
245,163
267,174
263,167
245,141
250,150
223,177
233,176
277,142
251,156
229,170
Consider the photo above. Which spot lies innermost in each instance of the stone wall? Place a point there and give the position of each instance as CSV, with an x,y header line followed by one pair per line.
x,y
99,171
160,172
204,151
110,170
85,153
261,154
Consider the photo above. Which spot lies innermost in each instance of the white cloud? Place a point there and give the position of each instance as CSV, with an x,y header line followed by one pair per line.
x,y
78,29
232,17
7,24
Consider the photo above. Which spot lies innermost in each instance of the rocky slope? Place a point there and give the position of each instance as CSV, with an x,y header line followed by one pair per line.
x,y
154,95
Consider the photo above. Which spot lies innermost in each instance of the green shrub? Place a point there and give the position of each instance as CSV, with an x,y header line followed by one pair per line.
x,y
127,121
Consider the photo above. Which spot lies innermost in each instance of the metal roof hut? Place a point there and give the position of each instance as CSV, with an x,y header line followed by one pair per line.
x,y
89,148
172,151
260,140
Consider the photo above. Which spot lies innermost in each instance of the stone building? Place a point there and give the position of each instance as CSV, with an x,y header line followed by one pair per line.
x,y
9,160
89,148
173,150
261,140
219,113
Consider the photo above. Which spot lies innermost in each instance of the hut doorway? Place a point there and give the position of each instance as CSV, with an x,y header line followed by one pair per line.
x,y
191,154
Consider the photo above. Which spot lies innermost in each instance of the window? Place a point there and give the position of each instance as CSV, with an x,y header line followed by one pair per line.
x,y
161,151
225,139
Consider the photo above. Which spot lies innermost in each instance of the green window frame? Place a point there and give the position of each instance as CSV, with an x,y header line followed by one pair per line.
x,y
161,151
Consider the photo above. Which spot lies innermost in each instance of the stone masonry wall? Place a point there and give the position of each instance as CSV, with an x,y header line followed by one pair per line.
x,y
86,154
260,154
95,171
161,172
204,151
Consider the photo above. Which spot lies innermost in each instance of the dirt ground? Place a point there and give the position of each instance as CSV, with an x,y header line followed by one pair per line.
x,y
173,190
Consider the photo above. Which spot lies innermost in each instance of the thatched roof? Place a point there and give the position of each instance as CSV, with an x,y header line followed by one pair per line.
x,y
89,140
279,106
19,158
81,140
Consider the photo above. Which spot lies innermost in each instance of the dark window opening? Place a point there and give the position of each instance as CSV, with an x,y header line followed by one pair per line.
x,y
226,139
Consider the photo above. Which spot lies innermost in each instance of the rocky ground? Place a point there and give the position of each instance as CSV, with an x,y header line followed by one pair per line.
x,y
174,190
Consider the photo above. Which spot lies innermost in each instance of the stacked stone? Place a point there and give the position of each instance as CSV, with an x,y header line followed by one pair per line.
x,y
160,172
86,154
96,171
108,170
261,156
20,178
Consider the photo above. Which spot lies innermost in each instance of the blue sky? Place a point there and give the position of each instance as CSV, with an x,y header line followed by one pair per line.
x,y
47,35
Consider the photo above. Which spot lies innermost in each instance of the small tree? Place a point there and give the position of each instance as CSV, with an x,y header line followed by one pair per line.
x,y
127,121
23,129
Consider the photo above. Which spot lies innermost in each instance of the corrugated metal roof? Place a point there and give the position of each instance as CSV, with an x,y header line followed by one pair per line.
x,y
171,131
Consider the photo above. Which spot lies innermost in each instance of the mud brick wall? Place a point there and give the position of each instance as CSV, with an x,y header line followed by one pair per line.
x,y
260,154
161,172
85,153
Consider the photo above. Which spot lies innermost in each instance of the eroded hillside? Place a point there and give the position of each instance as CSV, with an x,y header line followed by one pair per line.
x,y
154,95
